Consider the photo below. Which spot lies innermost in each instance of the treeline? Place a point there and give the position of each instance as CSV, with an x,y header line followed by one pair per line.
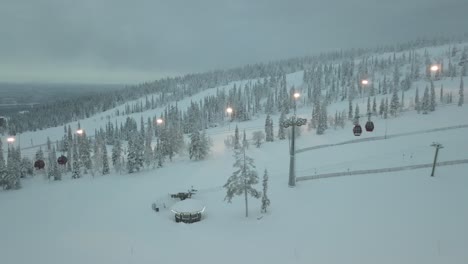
x,y
169,90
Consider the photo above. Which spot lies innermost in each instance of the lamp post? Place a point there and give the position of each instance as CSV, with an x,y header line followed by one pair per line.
x,y
296,96
364,83
434,68
229,111
11,140
293,122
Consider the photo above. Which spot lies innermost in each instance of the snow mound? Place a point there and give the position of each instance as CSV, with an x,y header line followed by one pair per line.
x,y
189,206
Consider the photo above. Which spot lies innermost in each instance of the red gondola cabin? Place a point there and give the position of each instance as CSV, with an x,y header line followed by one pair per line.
x,y
369,126
357,130
62,160
39,164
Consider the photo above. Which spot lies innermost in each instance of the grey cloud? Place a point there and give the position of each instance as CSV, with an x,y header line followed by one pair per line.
x,y
152,38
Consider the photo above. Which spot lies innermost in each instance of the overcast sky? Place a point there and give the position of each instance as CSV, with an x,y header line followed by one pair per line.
x,y
114,41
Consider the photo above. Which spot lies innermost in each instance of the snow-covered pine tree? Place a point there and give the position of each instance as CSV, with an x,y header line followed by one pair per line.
x,y
322,122
245,143
258,137
350,111
356,113
374,106
39,154
50,160
460,92
12,179
84,149
135,153
382,107
426,101
105,160
195,144
242,179
368,105
441,99
237,144
394,104
265,199
281,132
432,104
76,170
148,152
158,154
97,156
269,129
56,170
417,103
402,103
386,108
3,171
116,155
69,155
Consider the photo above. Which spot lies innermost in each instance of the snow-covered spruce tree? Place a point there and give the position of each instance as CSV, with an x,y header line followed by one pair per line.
x,y
374,106
269,129
26,167
258,137
84,149
402,103
350,110
368,105
322,121
135,153
382,107
97,155
356,113
281,132
441,99
242,179
69,156
158,154
116,155
3,171
417,103
432,104
386,108
57,174
50,160
265,199
12,179
460,93
426,101
245,143
237,144
199,145
148,152
76,170
394,104
105,160
39,154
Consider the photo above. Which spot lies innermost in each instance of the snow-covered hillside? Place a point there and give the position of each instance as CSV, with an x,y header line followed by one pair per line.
x,y
406,217
399,217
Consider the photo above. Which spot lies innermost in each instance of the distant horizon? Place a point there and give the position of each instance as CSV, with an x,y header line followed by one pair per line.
x,y
156,77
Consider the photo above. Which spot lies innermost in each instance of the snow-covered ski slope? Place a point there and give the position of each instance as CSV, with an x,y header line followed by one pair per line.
x,y
399,217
